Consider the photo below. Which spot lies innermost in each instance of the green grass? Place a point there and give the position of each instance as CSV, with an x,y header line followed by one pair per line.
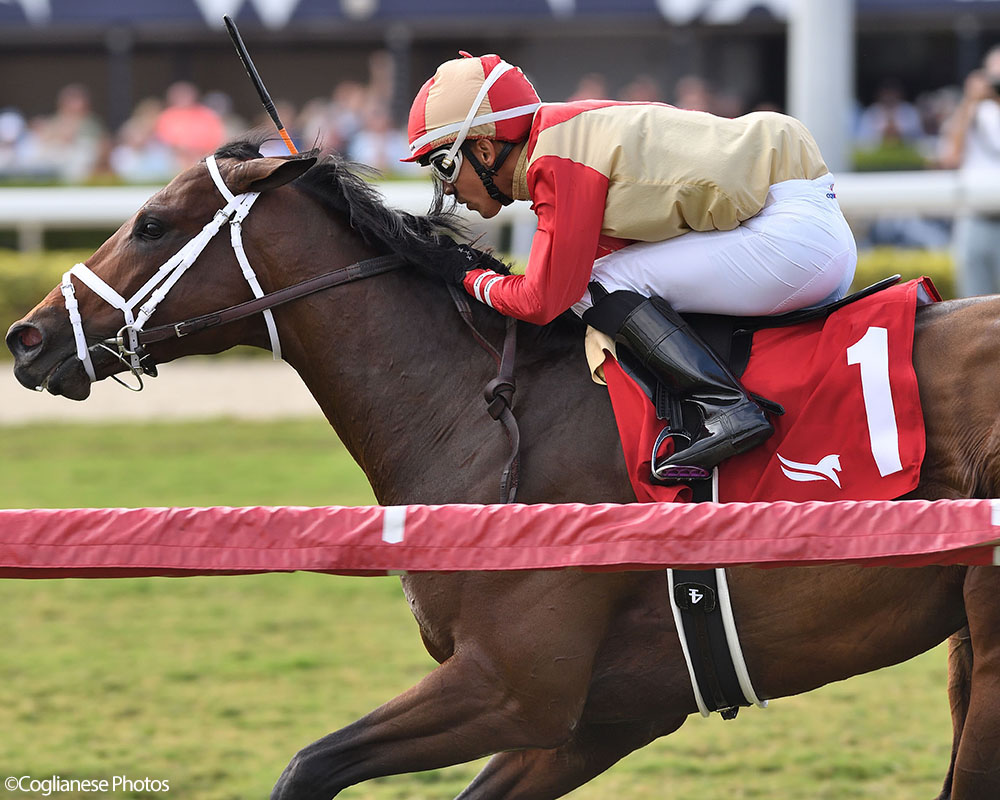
x,y
221,462
213,683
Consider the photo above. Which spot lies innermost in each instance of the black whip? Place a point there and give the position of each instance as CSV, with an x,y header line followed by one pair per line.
x,y
265,98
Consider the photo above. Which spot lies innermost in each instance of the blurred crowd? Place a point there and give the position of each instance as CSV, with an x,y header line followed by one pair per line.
x,y
953,127
165,134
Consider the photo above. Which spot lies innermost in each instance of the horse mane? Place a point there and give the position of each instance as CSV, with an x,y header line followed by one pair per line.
x,y
343,186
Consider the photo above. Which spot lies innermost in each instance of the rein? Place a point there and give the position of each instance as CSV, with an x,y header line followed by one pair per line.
x,y
499,392
361,269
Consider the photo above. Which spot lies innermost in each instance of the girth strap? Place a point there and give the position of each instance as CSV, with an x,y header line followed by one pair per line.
x,y
706,626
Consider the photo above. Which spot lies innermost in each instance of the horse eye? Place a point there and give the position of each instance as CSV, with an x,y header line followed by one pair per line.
x,y
151,229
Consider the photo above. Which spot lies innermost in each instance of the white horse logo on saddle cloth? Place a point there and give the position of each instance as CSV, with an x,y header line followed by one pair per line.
x,y
853,391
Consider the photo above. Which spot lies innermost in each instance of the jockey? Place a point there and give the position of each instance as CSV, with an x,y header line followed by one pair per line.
x,y
668,210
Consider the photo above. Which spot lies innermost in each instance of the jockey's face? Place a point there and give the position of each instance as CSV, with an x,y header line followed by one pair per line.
x,y
468,189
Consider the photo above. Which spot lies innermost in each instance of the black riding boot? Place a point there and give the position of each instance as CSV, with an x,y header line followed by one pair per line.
x,y
668,347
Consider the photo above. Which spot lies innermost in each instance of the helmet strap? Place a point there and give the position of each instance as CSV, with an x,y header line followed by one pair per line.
x,y
486,173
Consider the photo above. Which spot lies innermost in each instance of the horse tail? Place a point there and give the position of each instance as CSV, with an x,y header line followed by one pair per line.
x,y
959,691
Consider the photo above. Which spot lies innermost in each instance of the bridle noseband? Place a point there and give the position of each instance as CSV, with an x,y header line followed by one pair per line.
x,y
136,310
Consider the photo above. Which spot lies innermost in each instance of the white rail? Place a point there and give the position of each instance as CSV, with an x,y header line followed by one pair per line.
x,y
32,211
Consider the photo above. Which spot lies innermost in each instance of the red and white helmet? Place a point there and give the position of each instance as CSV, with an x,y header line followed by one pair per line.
x,y
470,98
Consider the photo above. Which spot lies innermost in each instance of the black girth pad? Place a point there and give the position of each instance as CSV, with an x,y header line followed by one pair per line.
x,y
697,596
696,593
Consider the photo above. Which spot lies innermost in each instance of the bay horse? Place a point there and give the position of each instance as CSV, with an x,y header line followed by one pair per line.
x,y
558,674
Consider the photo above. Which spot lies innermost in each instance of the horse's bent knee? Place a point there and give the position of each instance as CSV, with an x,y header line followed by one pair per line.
x,y
302,779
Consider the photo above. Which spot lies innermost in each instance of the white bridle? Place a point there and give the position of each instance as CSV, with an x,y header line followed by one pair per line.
x,y
159,285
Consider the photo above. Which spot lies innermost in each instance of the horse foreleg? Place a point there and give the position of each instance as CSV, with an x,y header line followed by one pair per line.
x,y
977,765
461,711
546,774
959,687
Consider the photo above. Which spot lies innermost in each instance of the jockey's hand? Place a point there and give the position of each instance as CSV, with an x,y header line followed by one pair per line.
x,y
458,258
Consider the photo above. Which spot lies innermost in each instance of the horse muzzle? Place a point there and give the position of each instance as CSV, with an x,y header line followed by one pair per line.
x,y
44,363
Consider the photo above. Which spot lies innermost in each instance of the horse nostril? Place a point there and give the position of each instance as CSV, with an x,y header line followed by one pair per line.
x,y
22,339
30,337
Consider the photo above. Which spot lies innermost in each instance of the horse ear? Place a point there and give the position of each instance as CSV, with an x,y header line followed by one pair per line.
x,y
261,174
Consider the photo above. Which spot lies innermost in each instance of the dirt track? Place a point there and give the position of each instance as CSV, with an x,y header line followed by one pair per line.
x,y
191,389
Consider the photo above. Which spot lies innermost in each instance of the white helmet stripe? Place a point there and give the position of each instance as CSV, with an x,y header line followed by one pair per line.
x,y
495,116
492,78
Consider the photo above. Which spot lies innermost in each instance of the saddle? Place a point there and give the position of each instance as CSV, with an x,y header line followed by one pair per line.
x,y
731,337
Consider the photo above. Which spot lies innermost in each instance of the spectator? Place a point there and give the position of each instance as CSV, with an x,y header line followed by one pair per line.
x,y
728,104
191,129
381,77
379,145
275,145
890,120
591,86
936,108
13,141
139,156
972,144
222,104
331,124
346,110
693,93
72,142
313,122
642,89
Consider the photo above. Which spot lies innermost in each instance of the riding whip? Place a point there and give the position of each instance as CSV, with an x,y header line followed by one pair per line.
x,y
265,98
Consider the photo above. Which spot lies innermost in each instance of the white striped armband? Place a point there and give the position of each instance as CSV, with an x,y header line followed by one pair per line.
x,y
484,284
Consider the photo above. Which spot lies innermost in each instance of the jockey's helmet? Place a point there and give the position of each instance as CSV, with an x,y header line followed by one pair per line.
x,y
470,98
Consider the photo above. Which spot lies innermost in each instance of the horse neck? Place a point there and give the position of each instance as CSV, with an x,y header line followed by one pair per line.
x,y
398,377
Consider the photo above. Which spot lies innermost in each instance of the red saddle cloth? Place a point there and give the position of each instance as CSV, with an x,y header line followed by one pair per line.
x,y
852,428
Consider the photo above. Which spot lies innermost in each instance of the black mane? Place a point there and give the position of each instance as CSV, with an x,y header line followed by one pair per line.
x,y
342,186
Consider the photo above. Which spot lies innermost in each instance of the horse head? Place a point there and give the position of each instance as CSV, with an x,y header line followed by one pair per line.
x,y
84,330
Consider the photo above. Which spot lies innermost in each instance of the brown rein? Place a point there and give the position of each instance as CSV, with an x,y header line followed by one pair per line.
x,y
499,392
362,269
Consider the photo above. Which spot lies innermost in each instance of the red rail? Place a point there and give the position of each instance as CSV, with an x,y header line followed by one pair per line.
x,y
375,540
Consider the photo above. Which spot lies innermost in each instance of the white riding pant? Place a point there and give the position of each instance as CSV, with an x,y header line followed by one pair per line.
x,y
797,252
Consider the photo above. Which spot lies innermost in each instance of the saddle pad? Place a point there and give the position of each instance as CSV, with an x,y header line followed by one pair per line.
x,y
852,429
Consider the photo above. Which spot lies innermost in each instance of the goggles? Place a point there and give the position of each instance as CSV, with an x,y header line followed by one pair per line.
x,y
437,162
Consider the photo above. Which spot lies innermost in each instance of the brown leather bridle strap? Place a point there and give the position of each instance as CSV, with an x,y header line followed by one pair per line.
x,y
499,392
355,272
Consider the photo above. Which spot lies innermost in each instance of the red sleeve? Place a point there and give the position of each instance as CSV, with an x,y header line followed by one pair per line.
x,y
569,200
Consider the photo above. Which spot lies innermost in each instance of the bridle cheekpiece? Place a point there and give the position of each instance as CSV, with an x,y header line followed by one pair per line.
x,y
137,309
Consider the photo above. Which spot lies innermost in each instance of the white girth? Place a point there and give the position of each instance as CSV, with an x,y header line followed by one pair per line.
x,y
159,285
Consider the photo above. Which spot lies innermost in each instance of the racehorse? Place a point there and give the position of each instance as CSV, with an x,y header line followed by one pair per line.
x,y
559,674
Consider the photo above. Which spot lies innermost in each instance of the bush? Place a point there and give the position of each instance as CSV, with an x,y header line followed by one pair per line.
x,y
881,262
25,278
888,157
